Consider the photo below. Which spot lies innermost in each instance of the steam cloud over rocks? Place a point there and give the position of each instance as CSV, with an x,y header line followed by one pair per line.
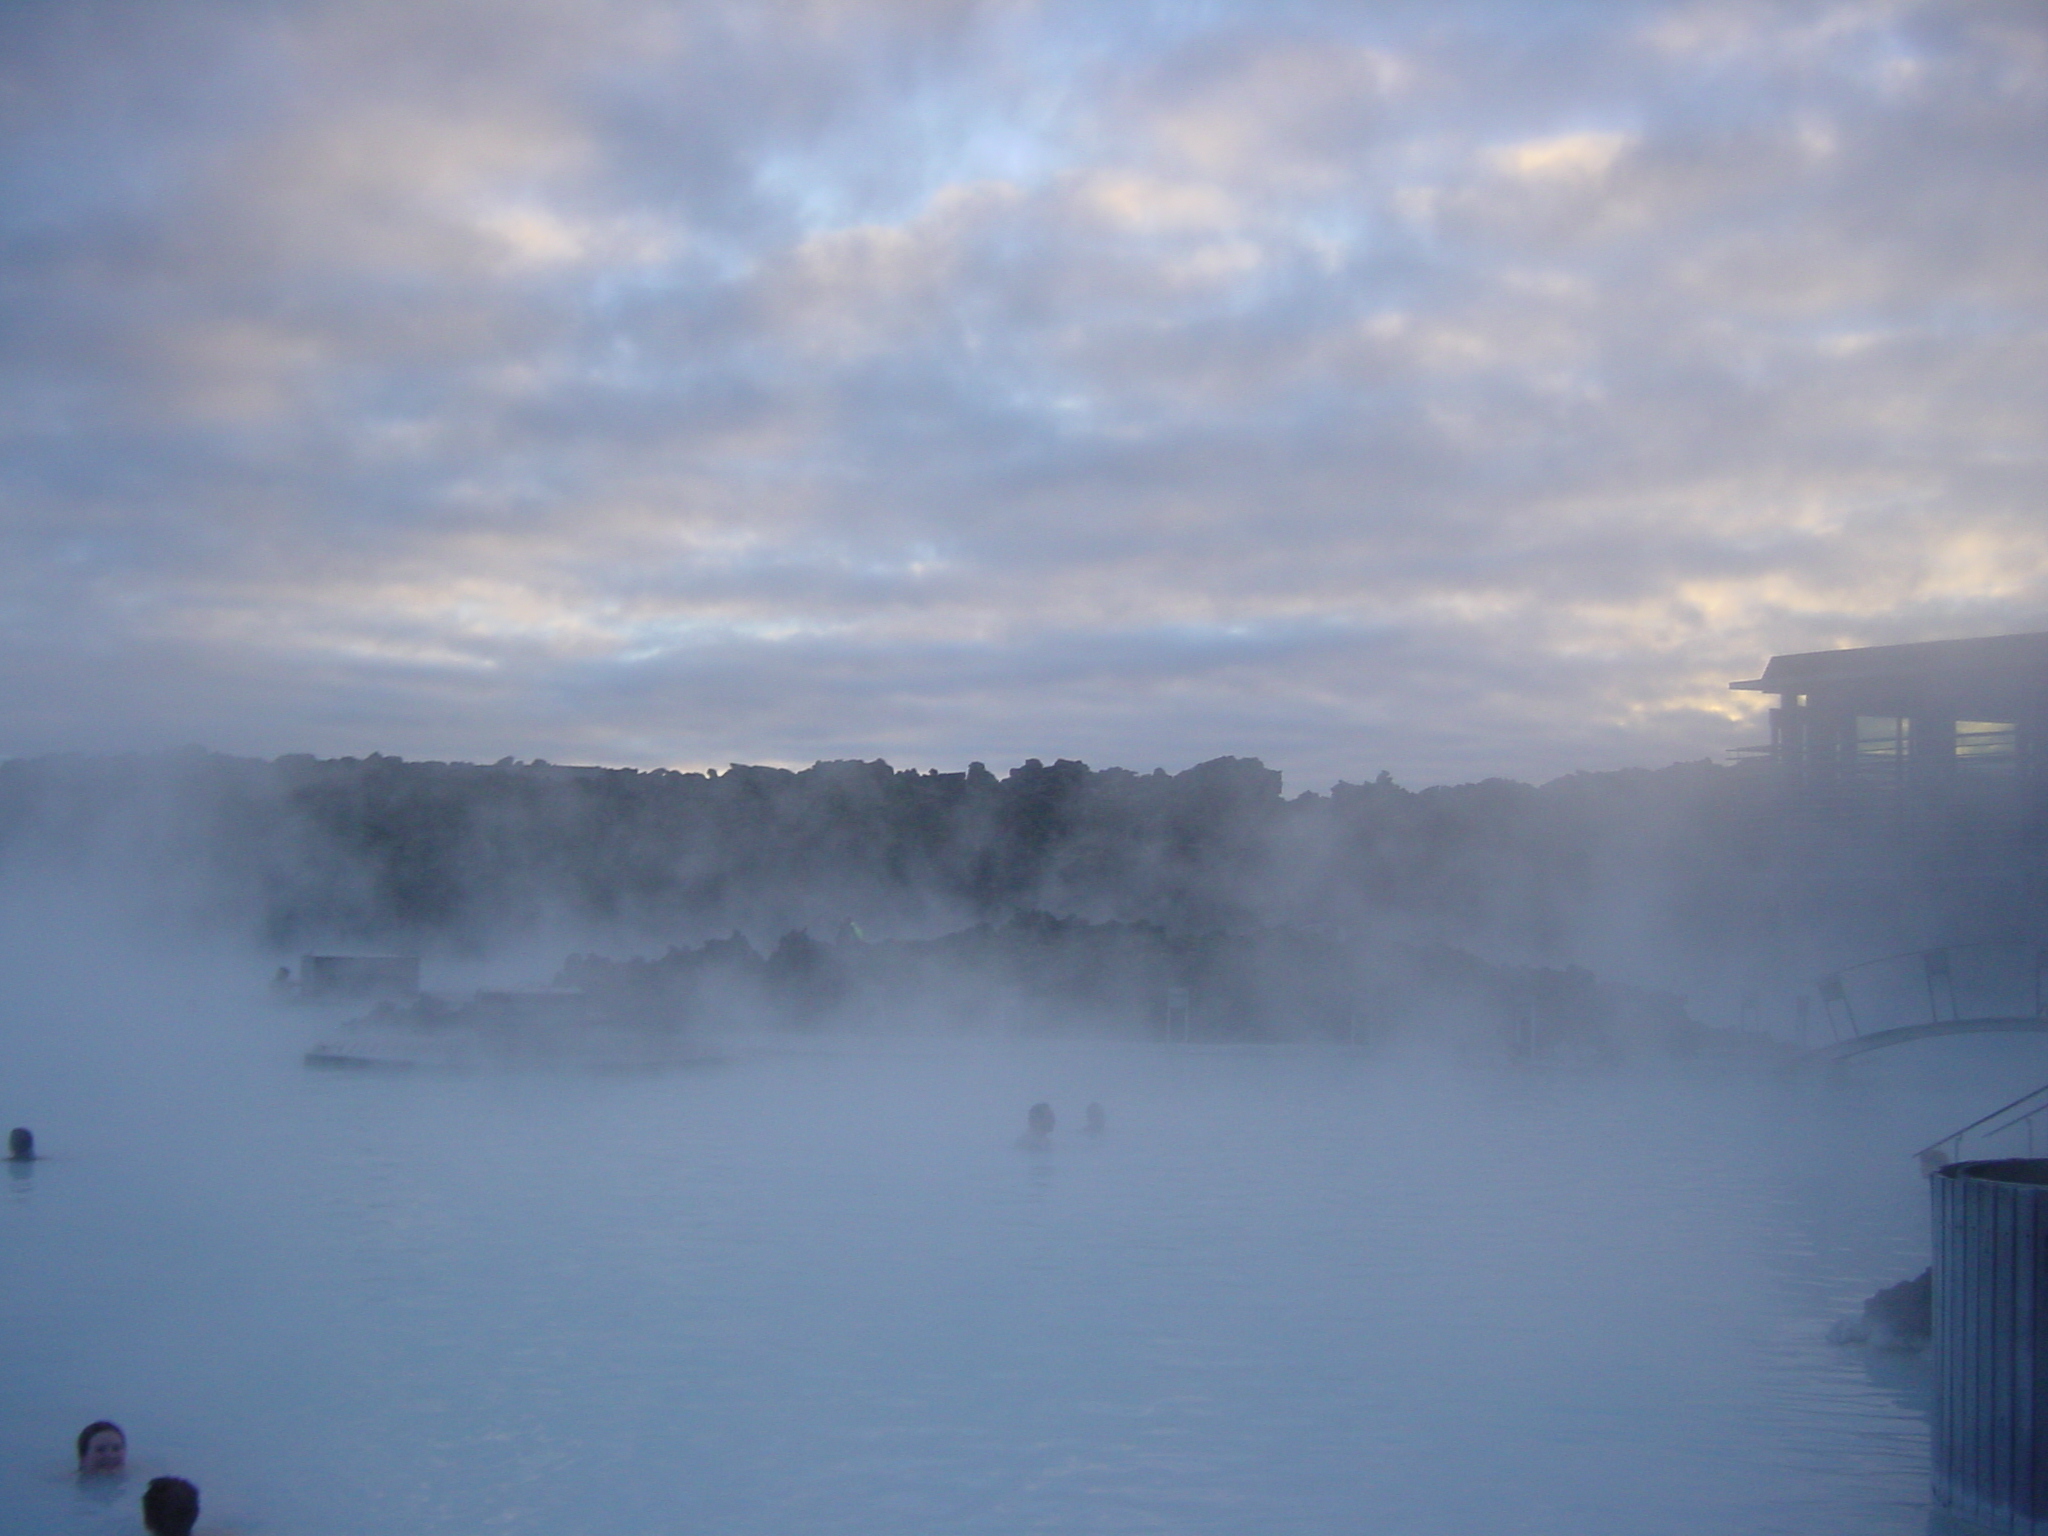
x,y
840,890
1039,972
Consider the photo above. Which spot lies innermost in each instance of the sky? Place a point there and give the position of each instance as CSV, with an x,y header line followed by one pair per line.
x,y
1455,389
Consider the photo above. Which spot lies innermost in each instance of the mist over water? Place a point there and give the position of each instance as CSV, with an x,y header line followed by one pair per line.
x,y
819,1289
457,469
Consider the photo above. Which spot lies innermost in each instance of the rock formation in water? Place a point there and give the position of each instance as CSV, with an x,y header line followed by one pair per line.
x,y
1898,1317
1038,972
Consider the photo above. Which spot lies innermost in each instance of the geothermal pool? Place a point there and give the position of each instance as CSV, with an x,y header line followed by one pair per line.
x,y
820,1290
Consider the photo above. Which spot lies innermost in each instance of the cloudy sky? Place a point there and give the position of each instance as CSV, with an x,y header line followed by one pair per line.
x,y
1458,389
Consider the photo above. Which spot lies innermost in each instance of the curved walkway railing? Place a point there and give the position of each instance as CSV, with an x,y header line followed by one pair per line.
x,y
1878,1039
1947,1013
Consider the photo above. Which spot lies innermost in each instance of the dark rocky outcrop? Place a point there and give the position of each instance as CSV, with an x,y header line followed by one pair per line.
x,y
1898,1317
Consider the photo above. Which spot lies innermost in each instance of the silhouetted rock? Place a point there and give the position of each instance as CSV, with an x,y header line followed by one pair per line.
x,y
1898,1317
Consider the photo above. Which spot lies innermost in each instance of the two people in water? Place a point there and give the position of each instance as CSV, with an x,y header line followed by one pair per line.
x,y
1038,1126
170,1505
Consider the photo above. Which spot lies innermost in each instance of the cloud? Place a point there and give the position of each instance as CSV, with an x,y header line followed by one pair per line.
x,y
1460,390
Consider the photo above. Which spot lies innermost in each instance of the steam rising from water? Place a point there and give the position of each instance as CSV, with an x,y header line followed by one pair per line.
x,y
820,1290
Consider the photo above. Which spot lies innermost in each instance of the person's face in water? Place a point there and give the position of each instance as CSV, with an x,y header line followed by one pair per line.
x,y
106,1451
1041,1120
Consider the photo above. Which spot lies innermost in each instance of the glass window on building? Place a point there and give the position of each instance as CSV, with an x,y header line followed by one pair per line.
x,y
1881,745
1987,746
1884,737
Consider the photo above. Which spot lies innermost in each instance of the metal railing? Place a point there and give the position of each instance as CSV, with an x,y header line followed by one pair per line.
x,y
1938,1154
1937,969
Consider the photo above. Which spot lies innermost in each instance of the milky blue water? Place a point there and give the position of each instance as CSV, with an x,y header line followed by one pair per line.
x,y
821,1290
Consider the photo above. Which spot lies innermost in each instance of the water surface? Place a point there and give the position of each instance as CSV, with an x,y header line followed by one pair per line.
x,y
820,1290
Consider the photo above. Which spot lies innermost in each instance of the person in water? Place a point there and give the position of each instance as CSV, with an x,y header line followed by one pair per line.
x,y
21,1145
102,1449
1097,1120
170,1507
1037,1129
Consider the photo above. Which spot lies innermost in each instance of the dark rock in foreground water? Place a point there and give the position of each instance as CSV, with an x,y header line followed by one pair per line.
x,y
1898,1317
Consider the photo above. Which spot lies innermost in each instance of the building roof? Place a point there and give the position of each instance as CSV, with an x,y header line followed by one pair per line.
x,y
1994,656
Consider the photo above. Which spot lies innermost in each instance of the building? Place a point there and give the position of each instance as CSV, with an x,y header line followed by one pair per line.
x,y
1960,723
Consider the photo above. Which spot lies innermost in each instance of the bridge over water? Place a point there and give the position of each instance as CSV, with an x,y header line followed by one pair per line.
x,y
1961,989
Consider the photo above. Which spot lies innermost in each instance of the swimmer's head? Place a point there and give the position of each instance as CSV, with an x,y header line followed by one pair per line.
x,y
1041,1119
21,1144
101,1448
170,1507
